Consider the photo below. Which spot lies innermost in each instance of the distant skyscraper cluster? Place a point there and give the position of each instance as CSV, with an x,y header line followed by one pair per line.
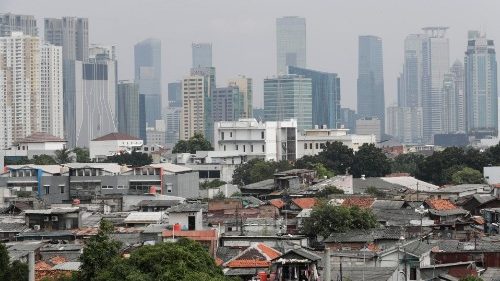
x,y
62,85
435,98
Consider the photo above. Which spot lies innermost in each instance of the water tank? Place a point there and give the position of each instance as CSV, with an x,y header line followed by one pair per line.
x,y
152,189
263,276
76,201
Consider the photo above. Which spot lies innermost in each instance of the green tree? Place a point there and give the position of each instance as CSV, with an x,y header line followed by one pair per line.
x,y
43,159
186,261
494,155
219,195
471,278
433,168
134,159
407,163
257,170
371,162
326,219
11,271
98,252
322,171
195,143
62,156
82,155
467,176
336,157
212,184
4,262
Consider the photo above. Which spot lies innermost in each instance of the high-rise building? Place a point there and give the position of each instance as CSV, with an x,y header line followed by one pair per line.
x,y
369,126
290,43
481,86
20,106
95,99
370,88
172,121
208,74
288,97
23,23
348,119
128,108
147,56
411,79
436,64
51,90
245,87
72,35
227,104
458,72
325,96
142,117
193,106
202,54
405,124
175,94
454,120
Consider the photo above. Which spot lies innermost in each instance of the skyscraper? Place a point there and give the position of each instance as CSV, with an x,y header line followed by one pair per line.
x,y
193,106
24,23
436,63
481,86
20,106
72,35
245,87
454,100
290,43
325,96
175,94
128,108
172,121
147,55
208,74
202,54
51,90
371,101
95,99
457,70
405,124
288,97
411,82
227,104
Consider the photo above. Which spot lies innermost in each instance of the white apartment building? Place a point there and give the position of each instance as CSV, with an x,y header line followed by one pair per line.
x,y
369,126
193,106
156,135
20,107
312,142
52,115
272,140
112,144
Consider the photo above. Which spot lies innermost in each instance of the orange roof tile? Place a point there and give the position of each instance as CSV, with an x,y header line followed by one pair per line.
x,y
218,261
362,202
305,203
58,260
248,263
440,204
268,251
41,265
278,203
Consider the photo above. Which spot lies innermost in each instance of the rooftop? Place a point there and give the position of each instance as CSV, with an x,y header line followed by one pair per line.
x,y
142,217
40,137
440,204
115,136
359,201
186,208
305,203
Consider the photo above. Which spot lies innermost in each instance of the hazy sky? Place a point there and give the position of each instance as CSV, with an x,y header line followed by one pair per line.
x,y
243,32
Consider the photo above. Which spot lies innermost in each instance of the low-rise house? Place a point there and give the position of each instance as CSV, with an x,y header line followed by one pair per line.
x,y
113,144
484,254
296,263
54,218
475,203
187,216
137,219
10,226
254,259
372,239
157,205
458,191
491,220
344,183
443,211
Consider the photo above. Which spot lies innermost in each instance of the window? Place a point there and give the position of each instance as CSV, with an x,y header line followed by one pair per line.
x,y
244,148
310,146
236,147
61,188
251,148
263,148
230,134
317,145
169,188
305,145
121,187
222,136
262,135
107,187
224,147
47,189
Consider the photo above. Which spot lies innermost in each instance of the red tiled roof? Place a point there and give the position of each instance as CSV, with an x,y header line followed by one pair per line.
x,y
278,203
362,202
194,234
41,265
248,263
305,203
440,204
58,260
268,251
115,136
40,137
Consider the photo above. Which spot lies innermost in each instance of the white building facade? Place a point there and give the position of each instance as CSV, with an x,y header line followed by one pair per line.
x,y
52,114
272,140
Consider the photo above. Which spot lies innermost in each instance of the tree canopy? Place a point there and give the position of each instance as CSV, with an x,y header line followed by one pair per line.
x,y
257,170
62,156
371,162
134,159
43,159
407,163
11,271
82,154
195,143
467,176
326,219
184,260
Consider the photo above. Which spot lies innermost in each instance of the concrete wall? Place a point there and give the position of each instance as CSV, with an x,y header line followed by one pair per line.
x,y
182,219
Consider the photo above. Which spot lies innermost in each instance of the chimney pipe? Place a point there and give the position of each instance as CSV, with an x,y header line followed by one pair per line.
x,y
327,270
31,266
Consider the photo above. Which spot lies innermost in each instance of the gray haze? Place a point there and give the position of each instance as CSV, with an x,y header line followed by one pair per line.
x,y
243,32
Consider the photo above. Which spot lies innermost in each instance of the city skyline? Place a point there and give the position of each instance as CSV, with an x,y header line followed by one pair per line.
x,y
256,35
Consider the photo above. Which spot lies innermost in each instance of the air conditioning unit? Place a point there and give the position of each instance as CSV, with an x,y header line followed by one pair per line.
x,y
36,227
46,219
55,218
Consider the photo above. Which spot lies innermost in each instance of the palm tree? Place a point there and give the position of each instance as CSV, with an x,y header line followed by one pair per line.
x,y
62,156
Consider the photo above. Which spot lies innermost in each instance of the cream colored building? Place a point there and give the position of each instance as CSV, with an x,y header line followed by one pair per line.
x,y
193,107
244,84
20,106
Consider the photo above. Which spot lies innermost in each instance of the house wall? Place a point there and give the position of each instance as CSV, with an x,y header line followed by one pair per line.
x,y
183,185
182,219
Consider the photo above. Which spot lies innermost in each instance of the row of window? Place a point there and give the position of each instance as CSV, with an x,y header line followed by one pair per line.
x,y
262,135
245,148
316,145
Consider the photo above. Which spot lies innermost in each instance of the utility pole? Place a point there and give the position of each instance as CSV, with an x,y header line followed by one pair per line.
x,y
417,190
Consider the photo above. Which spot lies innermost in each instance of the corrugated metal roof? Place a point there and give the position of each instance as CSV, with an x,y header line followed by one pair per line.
x,y
139,217
172,168
68,266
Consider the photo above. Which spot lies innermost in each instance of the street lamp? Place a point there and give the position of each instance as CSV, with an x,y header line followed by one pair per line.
x,y
422,211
